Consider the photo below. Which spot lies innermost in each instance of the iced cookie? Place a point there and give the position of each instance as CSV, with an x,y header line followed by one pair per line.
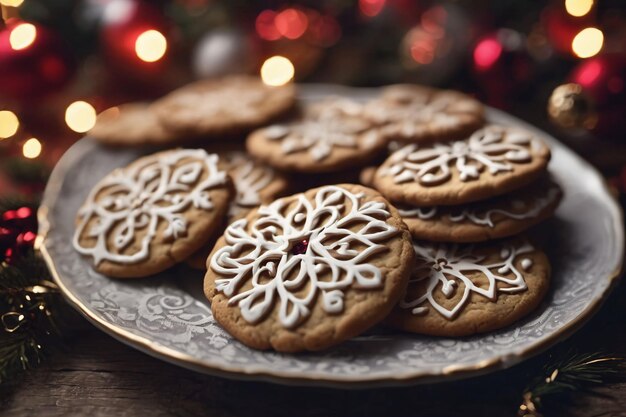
x,y
255,184
459,290
331,135
494,218
492,161
131,124
154,213
228,105
366,176
412,113
310,270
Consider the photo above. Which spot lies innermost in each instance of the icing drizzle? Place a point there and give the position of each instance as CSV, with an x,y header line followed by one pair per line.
x,y
495,148
518,210
335,125
446,267
297,250
156,190
409,113
249,178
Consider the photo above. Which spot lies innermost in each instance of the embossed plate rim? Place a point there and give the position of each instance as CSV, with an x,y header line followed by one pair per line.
x,y
311,378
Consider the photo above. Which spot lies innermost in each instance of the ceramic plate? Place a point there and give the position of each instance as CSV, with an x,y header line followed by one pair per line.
x,y
167,316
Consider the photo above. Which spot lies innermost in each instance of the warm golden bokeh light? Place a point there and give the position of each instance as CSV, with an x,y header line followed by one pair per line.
x,y
578,8
22,36
8,124
588,42
150,46
31,148
11,3
277,70
80,116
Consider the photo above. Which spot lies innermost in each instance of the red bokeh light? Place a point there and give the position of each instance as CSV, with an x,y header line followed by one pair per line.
x,y
589,73
371,8
486,53
291,23
265,26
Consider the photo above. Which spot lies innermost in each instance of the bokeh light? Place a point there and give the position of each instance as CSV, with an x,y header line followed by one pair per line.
x,y
371,8
578,8
32,148
11,3
291,23
265,26
487,52
277,70
9,124
80,116
22,36
151,46
588,42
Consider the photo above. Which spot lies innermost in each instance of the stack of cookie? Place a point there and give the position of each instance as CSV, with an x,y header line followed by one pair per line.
x,y
430,244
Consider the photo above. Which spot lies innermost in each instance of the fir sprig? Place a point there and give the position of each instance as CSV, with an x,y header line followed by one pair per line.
x,y
574,372
30,312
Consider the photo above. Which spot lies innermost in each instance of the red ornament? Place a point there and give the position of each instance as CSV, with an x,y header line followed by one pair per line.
x,y
124,22
18,231
33,61
502,66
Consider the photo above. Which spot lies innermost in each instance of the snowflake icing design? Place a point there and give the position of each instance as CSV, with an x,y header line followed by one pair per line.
x,y
334,126
139,198
318,246
446,268
410,118
494,148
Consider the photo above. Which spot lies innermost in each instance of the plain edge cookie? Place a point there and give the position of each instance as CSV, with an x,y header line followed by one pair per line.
x,y
153,134
164,107
402,319
285,340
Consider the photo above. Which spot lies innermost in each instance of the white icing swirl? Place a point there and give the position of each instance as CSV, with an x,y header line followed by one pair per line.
x,y
297,250
447,269
495,148
334,126
157,189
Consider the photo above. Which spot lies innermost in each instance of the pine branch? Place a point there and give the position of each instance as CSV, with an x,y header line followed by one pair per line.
x,y
573,373
32,315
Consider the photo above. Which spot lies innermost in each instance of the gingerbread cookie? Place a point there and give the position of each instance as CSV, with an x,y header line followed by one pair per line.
x,y
131,124
497,217
492,161
412,113
331,135
152,214
229,105
366,176
310,270
459,290
255,184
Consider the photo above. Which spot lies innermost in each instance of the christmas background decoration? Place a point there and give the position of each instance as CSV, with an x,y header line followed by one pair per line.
x,y
561,64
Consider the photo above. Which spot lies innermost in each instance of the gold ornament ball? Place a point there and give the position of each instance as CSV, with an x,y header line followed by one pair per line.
x,y
570,108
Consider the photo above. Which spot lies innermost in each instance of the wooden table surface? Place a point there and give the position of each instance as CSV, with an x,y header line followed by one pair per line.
x,y
99,376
